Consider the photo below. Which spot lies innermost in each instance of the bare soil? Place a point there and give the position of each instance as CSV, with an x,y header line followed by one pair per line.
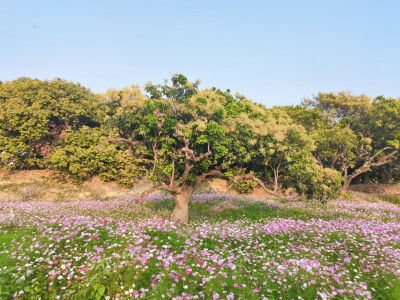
x,y
376,188
36,184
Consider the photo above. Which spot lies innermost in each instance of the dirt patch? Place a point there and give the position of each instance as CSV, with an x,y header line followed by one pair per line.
x,y
23,176
222,186
35,185
29,185
217,185
375,188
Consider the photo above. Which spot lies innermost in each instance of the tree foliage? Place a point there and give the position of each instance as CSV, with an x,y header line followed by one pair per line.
x,y
356,134
87,152
35,113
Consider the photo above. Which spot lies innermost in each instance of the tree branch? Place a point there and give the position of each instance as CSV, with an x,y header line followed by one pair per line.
x,y
334,158
189,153
171,182
188,167
154,189
200,178
130,144
385,159
369,163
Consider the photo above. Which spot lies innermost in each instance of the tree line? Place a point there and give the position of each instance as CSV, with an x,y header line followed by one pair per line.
x,y
177,135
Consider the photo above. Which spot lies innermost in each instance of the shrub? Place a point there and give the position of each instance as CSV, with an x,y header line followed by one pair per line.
x,y
87,152
125,169
316,182
244,186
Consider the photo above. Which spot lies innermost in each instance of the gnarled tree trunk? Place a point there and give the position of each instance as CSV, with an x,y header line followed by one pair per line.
x,y
373,161
181,210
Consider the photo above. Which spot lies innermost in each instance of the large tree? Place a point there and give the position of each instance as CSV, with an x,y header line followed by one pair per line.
x,y
188,135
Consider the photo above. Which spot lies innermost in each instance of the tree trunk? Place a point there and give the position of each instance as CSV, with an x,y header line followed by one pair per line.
x,y
276,174
370,162
347,182
348,178
181,210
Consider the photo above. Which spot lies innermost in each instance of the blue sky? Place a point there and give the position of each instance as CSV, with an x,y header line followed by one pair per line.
x,y
274,52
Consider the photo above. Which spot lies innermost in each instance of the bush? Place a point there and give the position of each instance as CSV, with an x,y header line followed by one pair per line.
x,y
125,169
87,152
244,186
6,162
316,182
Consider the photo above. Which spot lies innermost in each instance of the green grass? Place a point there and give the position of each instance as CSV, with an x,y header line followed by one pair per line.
x,y
13,233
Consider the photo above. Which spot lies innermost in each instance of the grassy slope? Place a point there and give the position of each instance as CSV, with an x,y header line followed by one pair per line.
x,y
34,185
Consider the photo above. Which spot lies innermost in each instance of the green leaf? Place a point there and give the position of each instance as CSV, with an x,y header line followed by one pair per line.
x,y
101,290
191,177
98,266
202,100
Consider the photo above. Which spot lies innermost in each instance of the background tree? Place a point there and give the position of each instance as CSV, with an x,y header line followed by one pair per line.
x,y
285,145
179,136
354,136
340,107
34,113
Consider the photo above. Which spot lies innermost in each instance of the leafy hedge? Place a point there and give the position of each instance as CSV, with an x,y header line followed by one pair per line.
x,y
87,152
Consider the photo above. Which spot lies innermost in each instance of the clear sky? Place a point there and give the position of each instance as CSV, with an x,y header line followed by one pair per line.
x,y
274,52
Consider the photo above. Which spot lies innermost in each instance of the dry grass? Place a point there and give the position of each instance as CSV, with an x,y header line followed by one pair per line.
x,y
35,185
376,188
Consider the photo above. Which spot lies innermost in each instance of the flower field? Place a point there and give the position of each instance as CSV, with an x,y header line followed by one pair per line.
x,y
233,248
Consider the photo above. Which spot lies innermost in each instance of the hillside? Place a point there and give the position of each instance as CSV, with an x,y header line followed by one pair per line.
x,y
28,185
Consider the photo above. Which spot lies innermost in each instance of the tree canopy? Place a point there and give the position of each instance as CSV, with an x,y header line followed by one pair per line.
x,y
34,114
